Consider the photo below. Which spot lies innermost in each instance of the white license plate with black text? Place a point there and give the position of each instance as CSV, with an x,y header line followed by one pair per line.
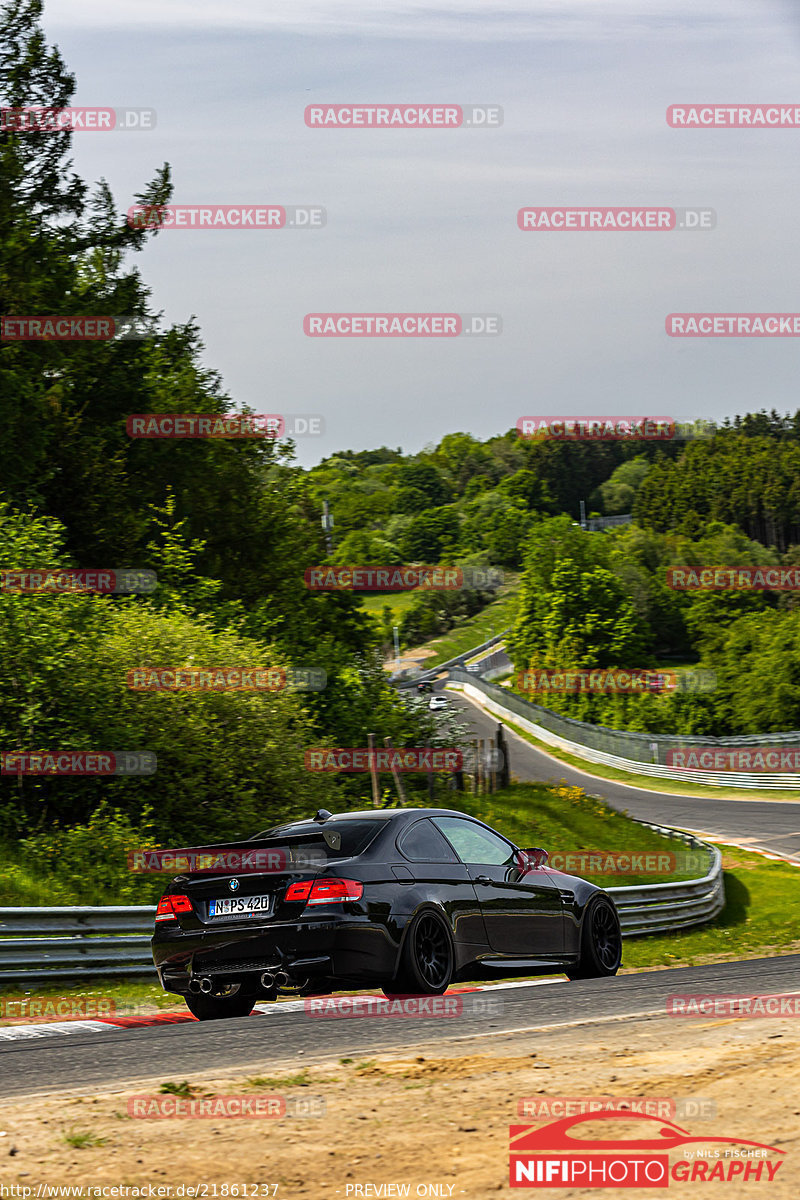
x,y
232,906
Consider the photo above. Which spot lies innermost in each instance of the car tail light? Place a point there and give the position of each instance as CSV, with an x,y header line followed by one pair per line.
x,y
170,906
324,891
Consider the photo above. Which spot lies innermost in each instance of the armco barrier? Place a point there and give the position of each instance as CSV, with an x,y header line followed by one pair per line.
x,y
75,942
662,907
432,672
106,942
640,753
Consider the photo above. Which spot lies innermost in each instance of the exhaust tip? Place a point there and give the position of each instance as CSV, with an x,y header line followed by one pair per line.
x,y
281,979
206,985
267,979
194,986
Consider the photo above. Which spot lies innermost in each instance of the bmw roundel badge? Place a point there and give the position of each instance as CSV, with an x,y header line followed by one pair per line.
x,y
233,884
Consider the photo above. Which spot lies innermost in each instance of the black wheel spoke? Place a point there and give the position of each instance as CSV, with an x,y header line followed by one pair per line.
x,y
606,936
432,951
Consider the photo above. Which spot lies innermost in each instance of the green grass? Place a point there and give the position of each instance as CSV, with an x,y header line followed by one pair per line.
x,y
398,602
563,820
762,899
184,1089
130,997
80,1141
21,884
302,1079
490,621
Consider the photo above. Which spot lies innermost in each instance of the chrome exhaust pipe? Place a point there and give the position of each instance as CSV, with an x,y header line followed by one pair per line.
x,y
281,979
267,979
194,986
206,985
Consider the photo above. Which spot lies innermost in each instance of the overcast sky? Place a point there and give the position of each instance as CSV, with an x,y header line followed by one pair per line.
x,y
425,220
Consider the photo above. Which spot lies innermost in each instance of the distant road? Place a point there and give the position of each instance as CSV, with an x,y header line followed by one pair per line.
x,y
771,825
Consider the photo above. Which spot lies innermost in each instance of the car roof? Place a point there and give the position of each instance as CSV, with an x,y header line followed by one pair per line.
x,y
377,815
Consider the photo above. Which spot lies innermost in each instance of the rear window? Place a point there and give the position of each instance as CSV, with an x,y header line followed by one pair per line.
x,y
339,839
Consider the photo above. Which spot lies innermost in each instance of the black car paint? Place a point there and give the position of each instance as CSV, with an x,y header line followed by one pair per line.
x,y
510,925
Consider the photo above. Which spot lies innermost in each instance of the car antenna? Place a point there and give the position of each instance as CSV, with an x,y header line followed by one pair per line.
x,y
322,816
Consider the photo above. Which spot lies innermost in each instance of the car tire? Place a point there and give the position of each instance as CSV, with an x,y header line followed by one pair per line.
x,y
215,1008
601,941
427,960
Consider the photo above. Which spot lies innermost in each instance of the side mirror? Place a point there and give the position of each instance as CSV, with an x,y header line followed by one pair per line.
x,y
532,858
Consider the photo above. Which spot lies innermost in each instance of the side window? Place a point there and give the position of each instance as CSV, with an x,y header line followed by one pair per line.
x,y
423,843
475,845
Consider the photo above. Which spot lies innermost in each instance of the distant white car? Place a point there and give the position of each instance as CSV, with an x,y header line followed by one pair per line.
x,y
437,702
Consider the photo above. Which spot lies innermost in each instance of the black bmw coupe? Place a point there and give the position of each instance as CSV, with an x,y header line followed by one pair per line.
x,y
407,900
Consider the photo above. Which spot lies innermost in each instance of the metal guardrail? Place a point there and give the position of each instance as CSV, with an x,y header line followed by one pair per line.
x,y
108,941
663,907
98,941
432,672
626,750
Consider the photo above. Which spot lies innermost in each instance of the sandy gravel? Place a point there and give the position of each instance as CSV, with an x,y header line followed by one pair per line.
x,y
439,1115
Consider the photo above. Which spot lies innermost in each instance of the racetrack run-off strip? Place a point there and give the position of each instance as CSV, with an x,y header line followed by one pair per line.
x,y
13,1033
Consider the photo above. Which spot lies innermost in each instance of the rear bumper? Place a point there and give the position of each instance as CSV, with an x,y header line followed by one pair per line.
x,y
326,948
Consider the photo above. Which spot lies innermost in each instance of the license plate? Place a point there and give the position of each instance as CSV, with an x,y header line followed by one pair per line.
x,y
232,906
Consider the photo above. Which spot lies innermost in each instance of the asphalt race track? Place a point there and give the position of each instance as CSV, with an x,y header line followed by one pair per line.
x,y
770,825
123,1057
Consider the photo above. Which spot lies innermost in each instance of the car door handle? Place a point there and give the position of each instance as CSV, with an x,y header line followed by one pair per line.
x,y
483,879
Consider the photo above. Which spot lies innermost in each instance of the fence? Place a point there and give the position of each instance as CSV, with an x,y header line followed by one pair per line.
x,y
595,523
494,664
641,753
